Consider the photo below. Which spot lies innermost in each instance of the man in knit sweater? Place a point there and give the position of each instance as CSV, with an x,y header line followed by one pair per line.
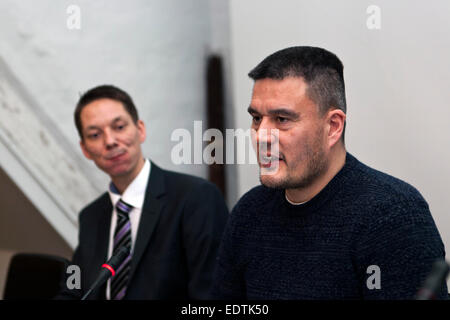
x,y
322,225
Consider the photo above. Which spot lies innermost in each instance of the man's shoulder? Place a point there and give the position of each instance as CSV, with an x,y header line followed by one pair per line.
x,y
95,206
193,193
381,200
181,176
383,187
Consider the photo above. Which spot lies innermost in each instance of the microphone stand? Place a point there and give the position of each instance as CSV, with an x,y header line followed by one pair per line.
x,y
108,270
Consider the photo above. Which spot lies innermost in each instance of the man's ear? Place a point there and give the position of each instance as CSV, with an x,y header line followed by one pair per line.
x,y
85,151
335,124
142,131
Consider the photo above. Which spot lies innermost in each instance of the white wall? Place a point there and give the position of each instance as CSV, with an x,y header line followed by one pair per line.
x,y
397,81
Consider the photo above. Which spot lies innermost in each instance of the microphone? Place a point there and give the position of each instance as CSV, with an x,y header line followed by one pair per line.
x,y
108,269
434,281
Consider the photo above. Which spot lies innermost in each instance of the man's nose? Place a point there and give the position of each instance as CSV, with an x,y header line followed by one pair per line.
x,y
264,132
110,139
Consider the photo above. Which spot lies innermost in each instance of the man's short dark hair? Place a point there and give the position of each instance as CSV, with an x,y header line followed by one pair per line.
x,y
104,92
321,70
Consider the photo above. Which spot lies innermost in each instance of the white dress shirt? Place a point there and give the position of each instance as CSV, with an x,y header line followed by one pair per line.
x,y
134,195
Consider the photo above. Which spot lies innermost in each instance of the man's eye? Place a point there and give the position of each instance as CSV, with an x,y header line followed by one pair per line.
x,y
282,119
256,119
93,135
120,127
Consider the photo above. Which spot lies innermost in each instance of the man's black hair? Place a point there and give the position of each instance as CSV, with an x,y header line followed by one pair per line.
x,y
321,70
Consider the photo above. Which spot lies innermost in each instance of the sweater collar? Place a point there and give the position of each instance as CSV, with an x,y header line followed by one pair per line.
x,y
332,189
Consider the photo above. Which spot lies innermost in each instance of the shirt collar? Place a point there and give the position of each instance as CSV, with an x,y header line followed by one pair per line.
x,y
134,194
292,202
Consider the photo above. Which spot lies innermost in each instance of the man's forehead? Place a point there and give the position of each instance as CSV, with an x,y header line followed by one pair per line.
x,y
104,103
103,111
288,93
95,124
287,88
280,85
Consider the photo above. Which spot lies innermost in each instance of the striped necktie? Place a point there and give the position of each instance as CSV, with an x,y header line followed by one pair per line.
x,y
122,237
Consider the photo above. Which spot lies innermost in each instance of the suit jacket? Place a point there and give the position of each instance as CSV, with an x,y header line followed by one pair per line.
x,y
179,233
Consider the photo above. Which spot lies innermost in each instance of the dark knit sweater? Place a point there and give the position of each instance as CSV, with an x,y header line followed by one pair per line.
x,y
322,249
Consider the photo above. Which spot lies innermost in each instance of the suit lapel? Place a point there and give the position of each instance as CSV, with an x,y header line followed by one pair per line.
x,y
100,252
104,225
150,214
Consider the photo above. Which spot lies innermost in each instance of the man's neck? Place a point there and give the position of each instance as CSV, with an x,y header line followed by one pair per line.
x,y
122,182
300,195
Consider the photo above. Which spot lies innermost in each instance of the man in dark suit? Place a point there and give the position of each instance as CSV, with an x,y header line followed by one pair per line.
x,y
173,222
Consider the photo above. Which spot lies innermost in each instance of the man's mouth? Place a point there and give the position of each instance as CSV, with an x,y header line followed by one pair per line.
x,y
268,161
115,156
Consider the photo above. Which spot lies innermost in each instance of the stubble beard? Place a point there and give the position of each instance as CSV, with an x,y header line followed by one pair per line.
x,y
316,164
